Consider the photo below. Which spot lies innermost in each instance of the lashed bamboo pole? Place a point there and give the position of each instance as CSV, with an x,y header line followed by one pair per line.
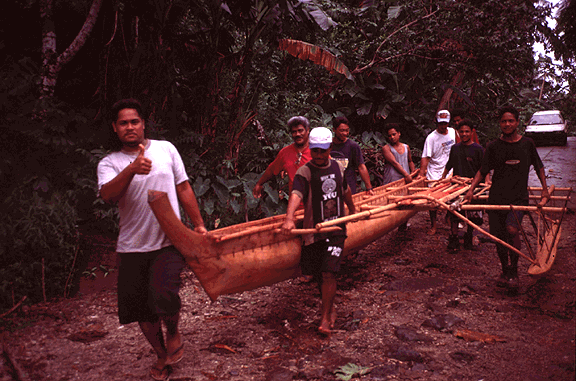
x,y
250,231
535,197
445,206
523,208
311,230
357,216
559,189
523,234
557,230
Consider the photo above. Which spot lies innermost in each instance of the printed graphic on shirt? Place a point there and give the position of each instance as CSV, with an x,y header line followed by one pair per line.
x,y
330,207
342,160
334,251
446,146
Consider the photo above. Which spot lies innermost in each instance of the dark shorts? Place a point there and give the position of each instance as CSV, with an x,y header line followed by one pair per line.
x,y
499,220
322,256
148,285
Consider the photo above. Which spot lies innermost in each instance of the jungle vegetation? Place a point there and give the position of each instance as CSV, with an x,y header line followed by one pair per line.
x,y
220,79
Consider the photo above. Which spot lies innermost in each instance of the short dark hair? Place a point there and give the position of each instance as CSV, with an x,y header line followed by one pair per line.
x,y
340,120
390,126
298,120
126,103
466,122
512,110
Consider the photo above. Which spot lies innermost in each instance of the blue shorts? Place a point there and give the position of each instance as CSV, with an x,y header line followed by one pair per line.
x,y
322,256
148,285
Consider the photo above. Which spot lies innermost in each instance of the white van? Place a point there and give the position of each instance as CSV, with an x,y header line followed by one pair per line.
x,y
547,127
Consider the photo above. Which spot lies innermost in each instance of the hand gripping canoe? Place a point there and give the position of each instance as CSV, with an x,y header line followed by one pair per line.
x,y
234,265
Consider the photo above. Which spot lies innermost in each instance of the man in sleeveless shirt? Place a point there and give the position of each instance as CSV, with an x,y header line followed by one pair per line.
x,y
397,157
398,161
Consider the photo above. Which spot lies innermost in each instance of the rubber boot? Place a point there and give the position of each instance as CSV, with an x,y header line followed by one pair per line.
x,y
468,245
453,243
502,280
513,280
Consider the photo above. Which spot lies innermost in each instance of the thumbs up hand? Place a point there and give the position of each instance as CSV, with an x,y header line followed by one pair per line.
x,y
142,165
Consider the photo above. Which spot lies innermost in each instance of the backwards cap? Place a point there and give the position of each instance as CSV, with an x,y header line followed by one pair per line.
x,y
320,137
443,116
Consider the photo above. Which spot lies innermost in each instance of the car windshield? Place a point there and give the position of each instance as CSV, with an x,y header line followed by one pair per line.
x,y
546,119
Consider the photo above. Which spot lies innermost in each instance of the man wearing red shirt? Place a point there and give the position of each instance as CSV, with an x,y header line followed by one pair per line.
x,y
289,158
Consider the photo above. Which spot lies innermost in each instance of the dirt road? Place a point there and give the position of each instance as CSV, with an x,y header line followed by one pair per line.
x,y
407,311
560,169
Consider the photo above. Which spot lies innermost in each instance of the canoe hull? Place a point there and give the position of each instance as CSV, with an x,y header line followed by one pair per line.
x,y
262,256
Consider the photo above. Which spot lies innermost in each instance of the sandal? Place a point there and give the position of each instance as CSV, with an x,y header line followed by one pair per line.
x,y
163,373
176,356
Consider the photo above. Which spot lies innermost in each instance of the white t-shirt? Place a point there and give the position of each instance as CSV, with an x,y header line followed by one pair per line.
x,y
139,228
437,148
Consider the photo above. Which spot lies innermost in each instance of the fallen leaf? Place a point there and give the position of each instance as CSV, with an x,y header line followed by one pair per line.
x,y
210,376
478,336
224,346
222,317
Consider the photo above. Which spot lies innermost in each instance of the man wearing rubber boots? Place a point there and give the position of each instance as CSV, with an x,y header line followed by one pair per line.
x,y
149,273
510,157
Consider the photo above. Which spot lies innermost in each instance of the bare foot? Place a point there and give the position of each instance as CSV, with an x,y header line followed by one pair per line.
x,y
332,318
324,330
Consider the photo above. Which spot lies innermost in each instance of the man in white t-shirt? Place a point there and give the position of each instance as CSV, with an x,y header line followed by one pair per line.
x,y
436,153
149,273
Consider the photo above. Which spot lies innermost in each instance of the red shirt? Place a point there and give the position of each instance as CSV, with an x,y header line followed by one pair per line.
x,y
288,160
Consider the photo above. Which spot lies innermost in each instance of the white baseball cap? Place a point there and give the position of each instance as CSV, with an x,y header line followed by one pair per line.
x,y
320,137
443,116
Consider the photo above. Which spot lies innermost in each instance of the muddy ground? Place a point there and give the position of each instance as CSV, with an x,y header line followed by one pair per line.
x,y
408,310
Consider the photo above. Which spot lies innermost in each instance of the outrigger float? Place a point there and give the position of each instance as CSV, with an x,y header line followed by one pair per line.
x,y
253,254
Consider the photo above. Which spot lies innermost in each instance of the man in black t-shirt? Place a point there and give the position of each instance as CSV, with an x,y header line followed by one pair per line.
x,y
465,158
319,184
511,157
349,155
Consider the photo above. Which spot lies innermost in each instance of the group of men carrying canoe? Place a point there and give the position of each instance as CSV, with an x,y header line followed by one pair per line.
x,y
321,168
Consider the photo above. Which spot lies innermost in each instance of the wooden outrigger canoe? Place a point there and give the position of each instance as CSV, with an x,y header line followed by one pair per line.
x,y
249,255
254,254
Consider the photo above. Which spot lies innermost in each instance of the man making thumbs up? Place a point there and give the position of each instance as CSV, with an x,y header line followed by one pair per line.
x,y
149,274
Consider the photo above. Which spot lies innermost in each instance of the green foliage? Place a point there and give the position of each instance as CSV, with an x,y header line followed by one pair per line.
x,y
225,198
351,370
37,226
215,83
49,188
93,272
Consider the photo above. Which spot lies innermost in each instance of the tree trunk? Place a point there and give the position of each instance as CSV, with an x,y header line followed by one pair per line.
x,y
51,62
456,81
